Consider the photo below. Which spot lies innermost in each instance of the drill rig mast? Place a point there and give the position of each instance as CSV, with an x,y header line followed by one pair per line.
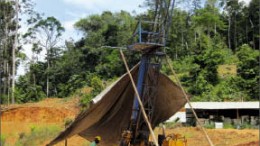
x,y
148,39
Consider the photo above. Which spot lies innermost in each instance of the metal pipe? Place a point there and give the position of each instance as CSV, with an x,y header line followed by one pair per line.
x,y
141,77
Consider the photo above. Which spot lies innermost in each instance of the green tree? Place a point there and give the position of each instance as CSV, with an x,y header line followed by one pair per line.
x,y
180,37
11,13
45,34
248,70
233,12
209,19
26,92
107,29
253,16
196,4
197,42
203,75
8,37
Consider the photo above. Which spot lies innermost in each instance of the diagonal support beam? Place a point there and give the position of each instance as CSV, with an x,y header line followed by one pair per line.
x,y
139,99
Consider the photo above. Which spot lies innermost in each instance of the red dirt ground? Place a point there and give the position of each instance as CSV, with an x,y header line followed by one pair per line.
x,y
53,111
219,137
17,119
254,143
37,114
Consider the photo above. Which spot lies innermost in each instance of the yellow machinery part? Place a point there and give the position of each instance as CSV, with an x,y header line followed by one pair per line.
x,y
175,140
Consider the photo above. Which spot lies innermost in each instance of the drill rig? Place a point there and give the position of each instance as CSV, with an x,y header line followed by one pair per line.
x,y
148,38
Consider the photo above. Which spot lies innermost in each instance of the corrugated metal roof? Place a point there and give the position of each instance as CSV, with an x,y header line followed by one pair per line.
x,y
223,105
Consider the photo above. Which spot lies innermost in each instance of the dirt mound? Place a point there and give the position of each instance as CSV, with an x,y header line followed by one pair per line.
x,y
37,114
19,119
50,110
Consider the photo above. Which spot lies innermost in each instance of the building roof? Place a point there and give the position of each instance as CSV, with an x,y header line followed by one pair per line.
x,y
223,105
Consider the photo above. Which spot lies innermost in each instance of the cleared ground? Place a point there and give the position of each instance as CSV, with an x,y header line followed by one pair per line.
x,y
40,122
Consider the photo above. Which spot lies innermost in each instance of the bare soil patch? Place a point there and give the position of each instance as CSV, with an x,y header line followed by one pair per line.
x,y
19,119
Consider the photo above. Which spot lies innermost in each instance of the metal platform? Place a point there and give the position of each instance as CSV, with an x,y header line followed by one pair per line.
x,y
144,47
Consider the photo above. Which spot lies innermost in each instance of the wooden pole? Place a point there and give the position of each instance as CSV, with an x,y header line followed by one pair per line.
x,y
66,142
139,99
237,114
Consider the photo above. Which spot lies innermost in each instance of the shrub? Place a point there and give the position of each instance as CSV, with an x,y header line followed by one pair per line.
x,y
84,102
246,126
97,85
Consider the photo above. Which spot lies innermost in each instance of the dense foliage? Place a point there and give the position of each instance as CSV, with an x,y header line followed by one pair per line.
x,y
7,29
205,43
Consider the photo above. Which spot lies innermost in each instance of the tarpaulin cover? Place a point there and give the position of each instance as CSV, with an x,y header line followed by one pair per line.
x,y
110,114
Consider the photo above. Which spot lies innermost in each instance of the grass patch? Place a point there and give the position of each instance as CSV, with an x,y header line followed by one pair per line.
x,y
2,140
170,125
38,135
209,125
228,126
227,70
86,143
188,135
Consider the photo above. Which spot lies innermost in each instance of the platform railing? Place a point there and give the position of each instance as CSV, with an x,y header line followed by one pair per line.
x,y
147,33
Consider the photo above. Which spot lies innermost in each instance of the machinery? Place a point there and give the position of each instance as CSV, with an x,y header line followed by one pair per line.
x,y
149,38
171,139
174,140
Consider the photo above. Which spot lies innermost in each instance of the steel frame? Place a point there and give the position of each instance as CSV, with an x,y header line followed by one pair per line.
x,y
147,87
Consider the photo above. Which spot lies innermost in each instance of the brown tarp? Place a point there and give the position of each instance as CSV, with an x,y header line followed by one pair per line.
x,y
110,114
